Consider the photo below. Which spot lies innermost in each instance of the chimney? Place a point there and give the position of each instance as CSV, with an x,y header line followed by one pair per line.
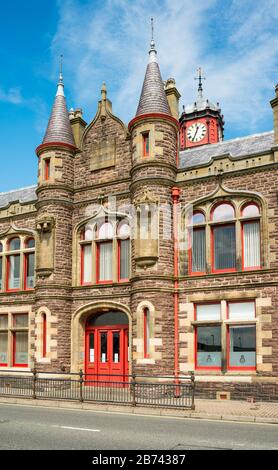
x,y
78,125
173,97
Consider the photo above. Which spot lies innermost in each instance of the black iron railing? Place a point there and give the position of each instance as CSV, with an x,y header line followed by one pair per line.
x,y
133,390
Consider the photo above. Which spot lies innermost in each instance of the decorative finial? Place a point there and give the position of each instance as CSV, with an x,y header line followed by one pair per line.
x,y
152,51
60,90
61,67
200,86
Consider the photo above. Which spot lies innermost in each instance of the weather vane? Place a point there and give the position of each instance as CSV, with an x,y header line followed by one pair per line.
x,y
200,78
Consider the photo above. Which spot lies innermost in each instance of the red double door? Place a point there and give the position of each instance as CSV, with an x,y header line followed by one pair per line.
x,y
106,357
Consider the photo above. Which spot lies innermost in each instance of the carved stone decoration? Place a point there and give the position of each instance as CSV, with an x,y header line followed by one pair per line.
x,y
46,246
147,233
102,154
45,224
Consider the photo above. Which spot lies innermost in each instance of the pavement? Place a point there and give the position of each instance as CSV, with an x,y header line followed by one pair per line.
x,y
223,410
41,427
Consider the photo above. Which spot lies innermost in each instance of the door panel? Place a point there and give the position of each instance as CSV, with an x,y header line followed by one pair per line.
x,y
107,354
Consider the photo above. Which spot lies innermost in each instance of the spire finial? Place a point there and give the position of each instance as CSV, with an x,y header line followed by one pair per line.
x,y
61,67
103,91
152,51
60,90
200,79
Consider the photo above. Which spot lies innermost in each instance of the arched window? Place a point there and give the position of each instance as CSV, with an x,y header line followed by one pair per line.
x,y
251,244
221,234
146,322
44,334
17,263
197,251
223,238
105,253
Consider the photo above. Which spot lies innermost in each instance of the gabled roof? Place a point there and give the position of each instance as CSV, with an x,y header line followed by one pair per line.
x,y
236,148
23,195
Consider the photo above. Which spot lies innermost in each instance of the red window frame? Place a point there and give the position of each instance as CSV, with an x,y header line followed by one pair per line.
x,y
146,321
46,169
238,324
196,338
26,255
226,270
44,335
119,261
219,203
2,364
98,243
14,349
82,265
190,257
17,253
228,350
146,144
8,273
245,222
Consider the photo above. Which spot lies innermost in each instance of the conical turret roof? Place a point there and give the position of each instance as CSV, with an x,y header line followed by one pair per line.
x,y
59,128
153,97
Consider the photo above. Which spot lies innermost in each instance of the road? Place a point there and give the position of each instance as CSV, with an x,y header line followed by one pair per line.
x,y
40,428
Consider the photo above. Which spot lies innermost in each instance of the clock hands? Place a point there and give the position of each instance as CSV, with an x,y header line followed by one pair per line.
x,y
196,132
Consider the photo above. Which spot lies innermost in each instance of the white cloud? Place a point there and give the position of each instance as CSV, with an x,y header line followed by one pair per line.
x,y
234,41
13,96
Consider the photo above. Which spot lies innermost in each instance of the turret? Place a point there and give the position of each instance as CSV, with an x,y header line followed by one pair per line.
x,y
154,143
54,225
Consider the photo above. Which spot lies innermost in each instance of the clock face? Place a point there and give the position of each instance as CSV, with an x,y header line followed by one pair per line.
x,y
196,132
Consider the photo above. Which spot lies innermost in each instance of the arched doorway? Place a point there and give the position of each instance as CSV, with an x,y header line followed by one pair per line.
x,y
106,347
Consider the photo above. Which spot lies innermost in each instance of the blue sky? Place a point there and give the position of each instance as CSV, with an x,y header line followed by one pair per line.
x,y
234,41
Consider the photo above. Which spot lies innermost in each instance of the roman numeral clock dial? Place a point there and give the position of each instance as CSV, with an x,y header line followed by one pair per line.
x,y
196,132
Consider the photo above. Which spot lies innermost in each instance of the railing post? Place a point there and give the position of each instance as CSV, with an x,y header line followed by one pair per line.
x,y
81,381
34,383
133,389
193,390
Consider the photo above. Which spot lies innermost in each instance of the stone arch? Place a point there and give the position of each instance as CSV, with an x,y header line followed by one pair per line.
x,y
78,329
51,330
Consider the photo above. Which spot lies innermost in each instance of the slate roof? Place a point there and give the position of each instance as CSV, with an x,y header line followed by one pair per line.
x,y
153,97
236,148
22,195
200,105
59,128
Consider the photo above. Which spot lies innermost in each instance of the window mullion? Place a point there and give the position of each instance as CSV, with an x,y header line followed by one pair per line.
x,y
239,240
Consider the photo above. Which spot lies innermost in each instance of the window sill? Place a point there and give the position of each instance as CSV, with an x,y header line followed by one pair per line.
x,y
229,273
15,369
241,322
219,373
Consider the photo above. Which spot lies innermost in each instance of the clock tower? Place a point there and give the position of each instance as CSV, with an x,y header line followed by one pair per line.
x,y
201,123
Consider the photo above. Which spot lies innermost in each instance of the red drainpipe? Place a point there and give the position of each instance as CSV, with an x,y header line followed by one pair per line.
x,y
175,199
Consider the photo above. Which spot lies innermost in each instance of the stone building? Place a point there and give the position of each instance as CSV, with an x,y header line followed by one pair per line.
x,y
149,248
